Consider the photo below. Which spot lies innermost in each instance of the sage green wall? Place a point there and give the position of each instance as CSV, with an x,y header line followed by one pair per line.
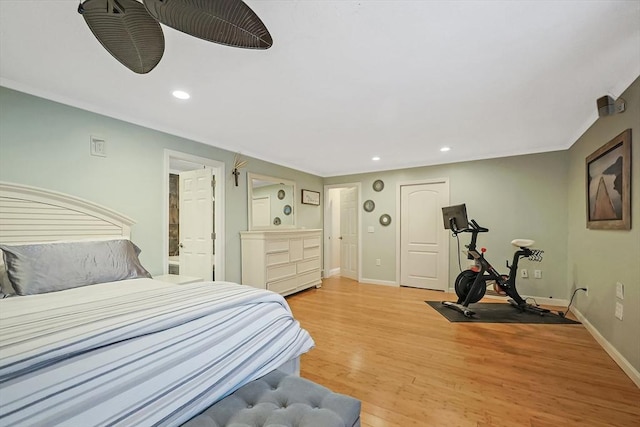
x,y
515,197
600,258
46,144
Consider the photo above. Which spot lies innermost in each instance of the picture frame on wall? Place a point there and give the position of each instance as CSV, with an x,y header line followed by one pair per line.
x,y
310,197
608,185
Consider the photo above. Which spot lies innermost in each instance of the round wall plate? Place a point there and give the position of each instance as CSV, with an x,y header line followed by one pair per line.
x,y
277,221
378,185
369,206
385,219
280,194
287,210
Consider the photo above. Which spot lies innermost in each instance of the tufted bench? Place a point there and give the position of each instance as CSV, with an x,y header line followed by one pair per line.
x,y
281,400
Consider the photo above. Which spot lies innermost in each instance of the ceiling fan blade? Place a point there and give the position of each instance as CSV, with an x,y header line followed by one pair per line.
x,y
228,22
127,31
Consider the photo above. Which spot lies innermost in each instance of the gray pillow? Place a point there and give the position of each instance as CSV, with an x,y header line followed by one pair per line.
x,y
48,267
5,285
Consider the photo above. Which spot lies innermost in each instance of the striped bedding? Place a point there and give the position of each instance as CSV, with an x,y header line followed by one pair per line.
x,y
137,352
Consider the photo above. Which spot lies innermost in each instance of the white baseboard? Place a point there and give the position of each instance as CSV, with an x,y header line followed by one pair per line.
x,y
550,301
539,300
610,349
334,272
378,282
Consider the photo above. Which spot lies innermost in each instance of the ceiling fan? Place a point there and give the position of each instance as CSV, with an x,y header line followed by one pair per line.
x,y
131,32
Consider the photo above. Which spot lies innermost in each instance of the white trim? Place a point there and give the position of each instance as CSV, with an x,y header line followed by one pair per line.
x,y
548,301
624,364
366,281
334,272
358,186
219,211
562,303
399,186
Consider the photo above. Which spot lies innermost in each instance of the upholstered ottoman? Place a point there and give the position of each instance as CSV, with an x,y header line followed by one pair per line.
x,y
281,400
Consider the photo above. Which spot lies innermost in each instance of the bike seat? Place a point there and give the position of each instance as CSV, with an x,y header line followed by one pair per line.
x,y
522,243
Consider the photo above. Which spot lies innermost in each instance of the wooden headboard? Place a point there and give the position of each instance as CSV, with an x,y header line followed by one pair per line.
x,y
30,214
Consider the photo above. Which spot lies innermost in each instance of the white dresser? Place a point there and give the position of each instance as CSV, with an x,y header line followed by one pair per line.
x,y
283,261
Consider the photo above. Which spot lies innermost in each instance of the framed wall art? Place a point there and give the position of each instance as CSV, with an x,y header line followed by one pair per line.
x,y
310,197
608,182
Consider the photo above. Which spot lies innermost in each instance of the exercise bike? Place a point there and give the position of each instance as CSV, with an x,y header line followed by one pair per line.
x,y
471,285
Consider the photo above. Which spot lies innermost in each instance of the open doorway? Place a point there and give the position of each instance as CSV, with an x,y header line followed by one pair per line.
x,y
342,231
193,186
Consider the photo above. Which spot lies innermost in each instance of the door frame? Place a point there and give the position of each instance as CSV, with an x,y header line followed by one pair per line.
x,y
218,168
399,186
326,225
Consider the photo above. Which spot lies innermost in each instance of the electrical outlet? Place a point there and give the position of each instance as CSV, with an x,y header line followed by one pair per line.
x,y
619,290
537,274
98,146
524,273
378,261
619,310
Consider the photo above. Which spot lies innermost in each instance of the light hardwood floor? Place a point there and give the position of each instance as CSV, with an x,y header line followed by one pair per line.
x,y
410,367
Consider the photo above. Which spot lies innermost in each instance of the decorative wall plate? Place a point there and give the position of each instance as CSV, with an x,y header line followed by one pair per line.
x,y
280,194
277,221
287,210
385,219
369,206
378,185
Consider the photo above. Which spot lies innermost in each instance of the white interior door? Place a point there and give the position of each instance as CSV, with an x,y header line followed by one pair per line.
x,y
261,211
349,233
196,223
424,243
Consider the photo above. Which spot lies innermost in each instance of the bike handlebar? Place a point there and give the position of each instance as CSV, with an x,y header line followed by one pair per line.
x,y
478,228
472,227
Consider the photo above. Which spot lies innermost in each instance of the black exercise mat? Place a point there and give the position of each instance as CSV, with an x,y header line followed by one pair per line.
x,y
498,313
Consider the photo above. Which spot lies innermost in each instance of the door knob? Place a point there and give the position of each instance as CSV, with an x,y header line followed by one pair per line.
x,y
340,237
181,245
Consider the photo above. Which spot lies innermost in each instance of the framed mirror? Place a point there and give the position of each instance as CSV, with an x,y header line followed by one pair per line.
x,y
268,198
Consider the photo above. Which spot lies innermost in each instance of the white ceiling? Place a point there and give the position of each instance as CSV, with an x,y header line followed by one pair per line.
x,y
348,80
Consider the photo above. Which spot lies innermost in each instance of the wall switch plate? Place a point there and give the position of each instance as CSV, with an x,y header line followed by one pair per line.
x,y
378,261
537,274
619,290
524,273
98,146
619,310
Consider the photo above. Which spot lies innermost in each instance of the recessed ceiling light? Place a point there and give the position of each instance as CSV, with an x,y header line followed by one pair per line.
x,y
375,158
180,94
443,149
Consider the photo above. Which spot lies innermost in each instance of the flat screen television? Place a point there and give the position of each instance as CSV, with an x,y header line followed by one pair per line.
x,y
455,217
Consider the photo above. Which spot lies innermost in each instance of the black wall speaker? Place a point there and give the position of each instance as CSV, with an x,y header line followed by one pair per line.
x,y
606,106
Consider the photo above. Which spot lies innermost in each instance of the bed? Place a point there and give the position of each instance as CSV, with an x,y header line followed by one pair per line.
x,y
129,351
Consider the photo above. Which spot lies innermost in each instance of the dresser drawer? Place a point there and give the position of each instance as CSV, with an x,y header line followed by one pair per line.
x,y
283,286
312,252
312,277
295,249
312,264
278,245
310,242
277,258
280,272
